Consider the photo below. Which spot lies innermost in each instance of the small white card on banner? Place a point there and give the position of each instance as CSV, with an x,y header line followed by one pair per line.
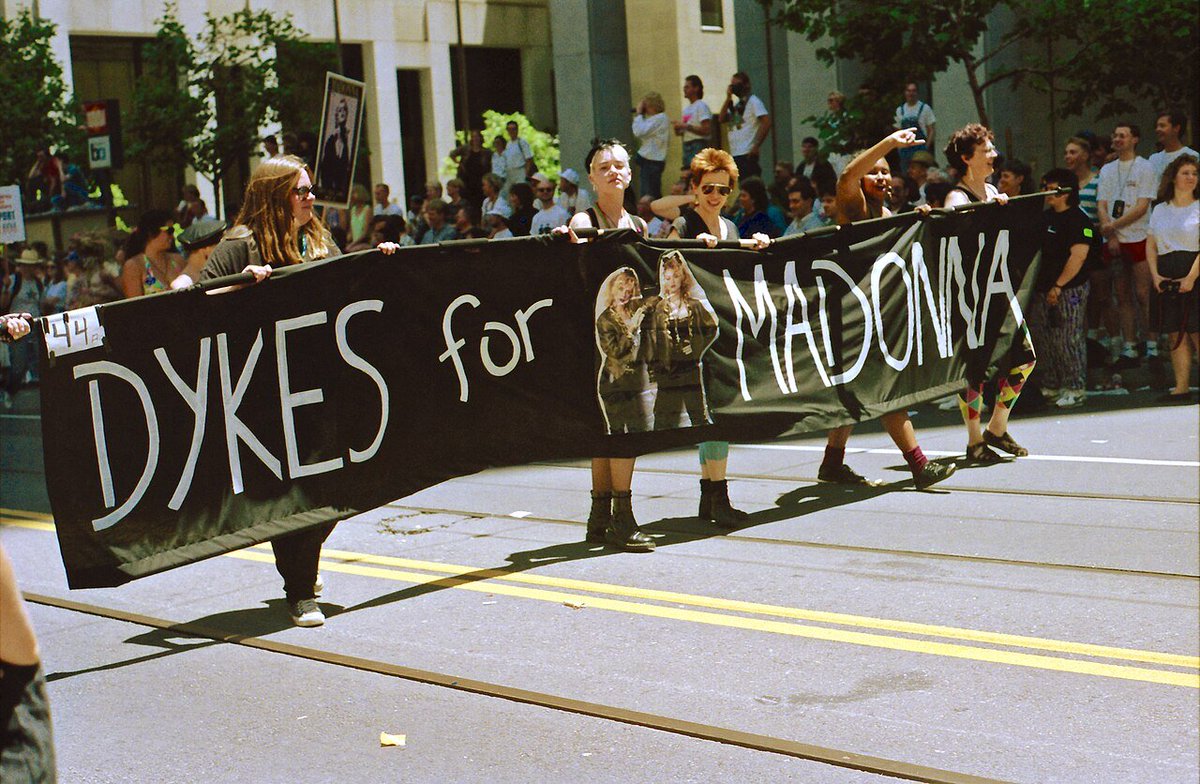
x,y
72,331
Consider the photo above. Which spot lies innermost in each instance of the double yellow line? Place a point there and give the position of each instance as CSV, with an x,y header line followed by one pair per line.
x,y
751,616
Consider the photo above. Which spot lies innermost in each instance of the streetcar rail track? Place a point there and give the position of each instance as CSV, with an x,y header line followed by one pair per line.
x,y
896,769
739,537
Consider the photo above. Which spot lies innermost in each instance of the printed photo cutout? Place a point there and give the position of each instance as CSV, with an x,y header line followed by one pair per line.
x,y
623,386
680,326
341,121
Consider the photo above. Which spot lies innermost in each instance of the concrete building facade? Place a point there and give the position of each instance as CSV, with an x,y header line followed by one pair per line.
x,y
580,66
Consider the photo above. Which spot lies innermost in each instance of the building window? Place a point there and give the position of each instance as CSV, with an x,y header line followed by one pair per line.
x,y
712,15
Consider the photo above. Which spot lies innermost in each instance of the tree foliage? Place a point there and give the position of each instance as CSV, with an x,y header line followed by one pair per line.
x,y
38,112
1097,56
203,101
542,144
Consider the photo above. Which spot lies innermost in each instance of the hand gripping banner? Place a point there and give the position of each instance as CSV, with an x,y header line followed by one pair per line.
x,y
188,424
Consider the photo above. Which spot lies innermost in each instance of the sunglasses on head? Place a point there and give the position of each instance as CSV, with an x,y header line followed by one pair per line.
x,y
709,187
303,191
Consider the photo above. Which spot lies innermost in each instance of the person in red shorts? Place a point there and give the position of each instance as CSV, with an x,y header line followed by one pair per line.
x,y
1123,201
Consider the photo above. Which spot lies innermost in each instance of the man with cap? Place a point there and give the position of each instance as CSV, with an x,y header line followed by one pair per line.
x,y
197,241
571,197
918,172
497,223
22,293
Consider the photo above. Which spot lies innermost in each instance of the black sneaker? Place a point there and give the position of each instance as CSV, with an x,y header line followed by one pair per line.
x,y
980,454
933,473
844,475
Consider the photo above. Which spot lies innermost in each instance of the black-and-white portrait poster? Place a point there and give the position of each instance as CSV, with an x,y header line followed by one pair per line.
x,y
341,126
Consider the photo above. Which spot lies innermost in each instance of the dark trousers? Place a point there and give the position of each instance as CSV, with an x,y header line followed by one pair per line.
x,y
747,166
650,175
296,558
26,737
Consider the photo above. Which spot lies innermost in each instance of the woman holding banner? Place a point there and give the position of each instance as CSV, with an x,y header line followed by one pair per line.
x,y
277,228
862,190
972,155
713,175
611,518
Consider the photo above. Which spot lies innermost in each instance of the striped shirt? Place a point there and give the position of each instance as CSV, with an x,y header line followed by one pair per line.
x,y
1087,198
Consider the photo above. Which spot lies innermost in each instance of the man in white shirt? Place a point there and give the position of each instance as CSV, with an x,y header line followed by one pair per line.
x,y
571,197
917,115
1123,199
383,201
801,197
549,215
517,156
749,124
1169,128
695,123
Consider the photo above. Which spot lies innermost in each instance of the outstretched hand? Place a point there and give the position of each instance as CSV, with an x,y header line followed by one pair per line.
x,y
17,324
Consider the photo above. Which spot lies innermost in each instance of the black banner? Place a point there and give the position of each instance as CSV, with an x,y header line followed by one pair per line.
x,y
187,424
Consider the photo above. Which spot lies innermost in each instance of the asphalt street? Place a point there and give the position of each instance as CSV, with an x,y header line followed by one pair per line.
x,y
1036,621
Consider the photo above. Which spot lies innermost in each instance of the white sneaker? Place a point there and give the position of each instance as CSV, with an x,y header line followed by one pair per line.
x,y
306,613
948,403
319,585
1071,398
1052,394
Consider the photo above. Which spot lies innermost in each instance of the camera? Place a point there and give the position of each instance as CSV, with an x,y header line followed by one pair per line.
x,y
740,89
1169,287
1118,209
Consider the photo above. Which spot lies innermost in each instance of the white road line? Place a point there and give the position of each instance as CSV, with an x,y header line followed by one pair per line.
x,y
941,453
20,416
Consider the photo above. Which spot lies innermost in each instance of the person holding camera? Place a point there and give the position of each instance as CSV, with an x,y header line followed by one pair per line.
x,y
749,124
1123,200
652,130
1173,257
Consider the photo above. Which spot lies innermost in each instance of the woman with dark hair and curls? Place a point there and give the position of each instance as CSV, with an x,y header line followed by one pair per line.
x,y
754,203
862,191
151,260
277,227
972,154
1173,253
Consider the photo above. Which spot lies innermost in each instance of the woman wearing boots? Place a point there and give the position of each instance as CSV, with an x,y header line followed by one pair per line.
x,y
611,518
972,154
713,176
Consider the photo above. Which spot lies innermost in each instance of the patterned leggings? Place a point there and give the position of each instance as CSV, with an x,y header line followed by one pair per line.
x,y
970,400
1063,343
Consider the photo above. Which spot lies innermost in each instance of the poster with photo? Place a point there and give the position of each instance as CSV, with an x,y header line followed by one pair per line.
x,y
652,343
337,149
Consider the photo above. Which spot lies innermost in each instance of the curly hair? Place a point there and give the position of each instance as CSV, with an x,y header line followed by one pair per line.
x,y
1166,186
962,145
711,160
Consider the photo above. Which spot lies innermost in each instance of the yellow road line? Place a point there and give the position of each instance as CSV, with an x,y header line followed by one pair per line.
x,y
712,603
733,605
777,627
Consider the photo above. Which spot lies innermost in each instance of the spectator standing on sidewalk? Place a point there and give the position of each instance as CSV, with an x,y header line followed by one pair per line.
x,y
695,123
1123,198
652,130
918,116
1169,128
749,124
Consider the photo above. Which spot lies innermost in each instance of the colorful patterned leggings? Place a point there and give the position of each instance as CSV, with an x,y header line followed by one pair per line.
x,y
970,400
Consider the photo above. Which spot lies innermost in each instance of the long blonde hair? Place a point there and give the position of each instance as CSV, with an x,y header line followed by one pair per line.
x,y
267,213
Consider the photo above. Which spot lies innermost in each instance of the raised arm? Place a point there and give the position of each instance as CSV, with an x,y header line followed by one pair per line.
x,y
850,200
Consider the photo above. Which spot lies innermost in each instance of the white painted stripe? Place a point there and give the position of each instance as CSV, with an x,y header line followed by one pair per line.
x,y
21,416
941,453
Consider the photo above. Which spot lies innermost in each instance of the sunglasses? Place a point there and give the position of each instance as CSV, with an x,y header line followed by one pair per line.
x,y
709,187
303,191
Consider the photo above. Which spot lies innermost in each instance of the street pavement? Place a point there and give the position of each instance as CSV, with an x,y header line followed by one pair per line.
x,y
1035,621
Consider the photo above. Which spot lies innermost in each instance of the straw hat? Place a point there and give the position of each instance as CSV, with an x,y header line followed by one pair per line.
x,y
30,256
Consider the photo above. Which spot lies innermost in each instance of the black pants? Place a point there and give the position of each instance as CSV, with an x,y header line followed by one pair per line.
x,y
296,558
26,742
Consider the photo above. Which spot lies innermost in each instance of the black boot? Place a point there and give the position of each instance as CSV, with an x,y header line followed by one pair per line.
x,y
706,493
623,530
723,513
599,518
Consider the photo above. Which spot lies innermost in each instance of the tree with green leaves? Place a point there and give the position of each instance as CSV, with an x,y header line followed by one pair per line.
x,y
38,111
542,144
1093,55
204,102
